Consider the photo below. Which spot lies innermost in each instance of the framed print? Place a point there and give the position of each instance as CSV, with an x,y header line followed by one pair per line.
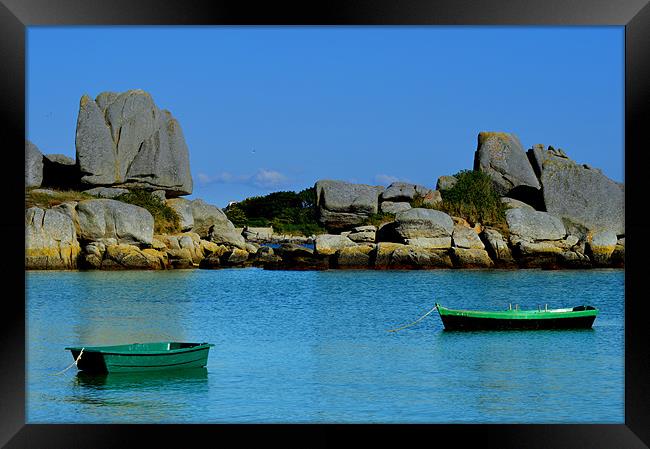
x,y
375,221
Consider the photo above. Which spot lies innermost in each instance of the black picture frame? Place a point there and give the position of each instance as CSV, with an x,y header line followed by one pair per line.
x,y
634,15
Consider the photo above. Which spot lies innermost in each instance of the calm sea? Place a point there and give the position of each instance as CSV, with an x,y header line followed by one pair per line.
x,y
313,347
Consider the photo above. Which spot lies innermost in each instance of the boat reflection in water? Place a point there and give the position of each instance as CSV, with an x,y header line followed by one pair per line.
x,y
142,380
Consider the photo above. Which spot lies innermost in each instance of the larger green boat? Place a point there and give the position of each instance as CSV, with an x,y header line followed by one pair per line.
x,y
580,317
140,357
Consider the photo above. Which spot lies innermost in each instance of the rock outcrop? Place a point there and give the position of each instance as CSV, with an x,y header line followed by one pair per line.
x,y
184,210
50,239
471,258
129,257
466,237
501,156
106,192
363,234
125,140
578,193
110,219
539,239
357,256
212,224
343,205
558,213
33,165
426,228
388,255
403,191
390,207
328,244
511,203
446,182
601,247
531,225
497,248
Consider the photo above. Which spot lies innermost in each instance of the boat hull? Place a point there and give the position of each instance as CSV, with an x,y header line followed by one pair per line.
x,y
580,317
452,323
106,361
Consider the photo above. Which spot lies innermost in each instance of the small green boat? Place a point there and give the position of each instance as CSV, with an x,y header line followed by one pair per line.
x,y
580,317
140,357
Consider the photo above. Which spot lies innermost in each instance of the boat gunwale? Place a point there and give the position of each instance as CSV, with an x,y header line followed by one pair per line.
x,y
110,350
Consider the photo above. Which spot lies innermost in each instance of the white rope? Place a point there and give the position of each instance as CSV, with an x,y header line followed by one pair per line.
x,y
72,364
414,322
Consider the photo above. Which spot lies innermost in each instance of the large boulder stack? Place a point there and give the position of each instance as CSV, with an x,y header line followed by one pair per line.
x,y
125,140
343,205
579,194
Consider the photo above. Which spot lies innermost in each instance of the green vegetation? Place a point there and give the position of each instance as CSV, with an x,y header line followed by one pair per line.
x,y
288,212
45,200
166,220
236,215
474,198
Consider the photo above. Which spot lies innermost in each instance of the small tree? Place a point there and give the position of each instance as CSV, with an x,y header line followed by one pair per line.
x,y
236,215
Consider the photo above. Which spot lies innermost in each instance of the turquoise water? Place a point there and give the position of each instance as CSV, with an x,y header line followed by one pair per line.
x,y
313,347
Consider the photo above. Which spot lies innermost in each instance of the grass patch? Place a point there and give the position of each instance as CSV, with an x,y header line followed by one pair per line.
x,y
474,198
46,201
166,220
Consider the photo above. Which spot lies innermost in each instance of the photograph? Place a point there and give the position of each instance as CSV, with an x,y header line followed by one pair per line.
x,y
329,225
227,224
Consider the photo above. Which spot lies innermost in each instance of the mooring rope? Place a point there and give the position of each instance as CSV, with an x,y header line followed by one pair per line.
x,y
71,365
414,322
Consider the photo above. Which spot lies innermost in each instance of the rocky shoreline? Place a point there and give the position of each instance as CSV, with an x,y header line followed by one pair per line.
x,y
560,214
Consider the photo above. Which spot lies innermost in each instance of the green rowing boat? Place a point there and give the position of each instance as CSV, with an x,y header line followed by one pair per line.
x,y
140,357
580,317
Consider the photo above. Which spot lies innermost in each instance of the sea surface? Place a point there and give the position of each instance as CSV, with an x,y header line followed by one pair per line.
x,y
314,347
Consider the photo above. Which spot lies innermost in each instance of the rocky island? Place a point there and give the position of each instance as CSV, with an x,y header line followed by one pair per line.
x,y
120,205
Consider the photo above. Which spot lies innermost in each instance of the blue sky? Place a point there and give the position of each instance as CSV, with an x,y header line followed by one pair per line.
x,y
277,108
